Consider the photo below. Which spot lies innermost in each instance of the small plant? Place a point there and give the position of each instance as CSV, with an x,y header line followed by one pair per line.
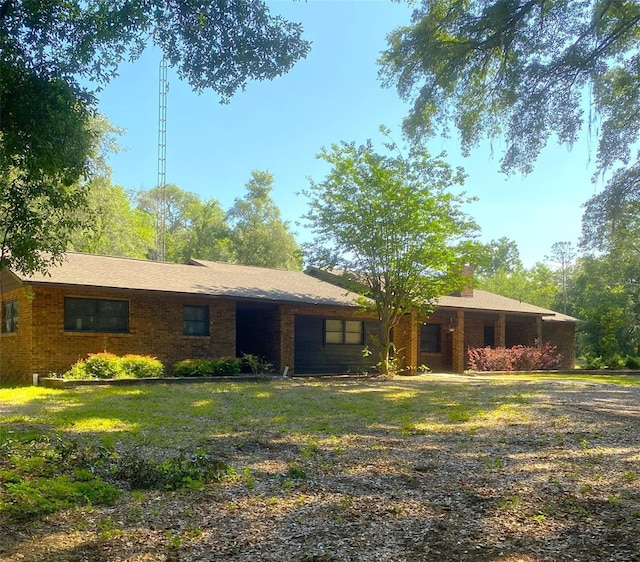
x,y
249,482
175,473
256,364
493,463
296,473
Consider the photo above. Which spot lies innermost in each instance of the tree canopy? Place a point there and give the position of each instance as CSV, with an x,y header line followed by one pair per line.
x,y
523,71
259,235
394,223
53,55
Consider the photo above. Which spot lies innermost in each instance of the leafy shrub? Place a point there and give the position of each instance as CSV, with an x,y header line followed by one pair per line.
x,y
633,362
207,367
227,366
516,358
109,366
141,366
256,364
591,361
175,473
613,361
96,366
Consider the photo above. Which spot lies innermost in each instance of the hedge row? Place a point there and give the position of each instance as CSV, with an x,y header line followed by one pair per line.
x,y
110,366
207,367
516,358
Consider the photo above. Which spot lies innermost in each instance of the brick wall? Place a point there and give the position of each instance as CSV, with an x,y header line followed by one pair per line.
x,y
563,336
520,333
155,328
474,332
15,347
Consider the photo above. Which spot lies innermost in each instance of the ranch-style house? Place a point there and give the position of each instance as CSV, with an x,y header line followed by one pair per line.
x,y
91,303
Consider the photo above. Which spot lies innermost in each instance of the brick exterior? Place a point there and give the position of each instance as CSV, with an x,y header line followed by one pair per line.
x,y
15,347
155,328
41,345
562,335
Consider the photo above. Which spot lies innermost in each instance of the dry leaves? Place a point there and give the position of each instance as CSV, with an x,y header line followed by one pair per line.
x,y
557,478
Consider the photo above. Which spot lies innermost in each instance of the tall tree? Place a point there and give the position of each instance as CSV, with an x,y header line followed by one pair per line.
x,y
111,225
605,295
394,223
259,235
535,285
521,70
193,228
50,51
500,255
563,254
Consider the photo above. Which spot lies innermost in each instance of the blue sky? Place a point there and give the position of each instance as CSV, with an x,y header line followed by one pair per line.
x,y
333,95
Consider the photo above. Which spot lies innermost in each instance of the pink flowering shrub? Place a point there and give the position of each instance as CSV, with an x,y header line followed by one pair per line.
x,y
516,358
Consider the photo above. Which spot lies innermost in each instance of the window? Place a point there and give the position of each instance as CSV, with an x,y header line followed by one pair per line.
x,y
96,315
10,317
195,320
344,331
489,336
430,338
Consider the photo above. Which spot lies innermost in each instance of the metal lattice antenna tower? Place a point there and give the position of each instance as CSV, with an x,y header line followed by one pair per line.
x,y
162,161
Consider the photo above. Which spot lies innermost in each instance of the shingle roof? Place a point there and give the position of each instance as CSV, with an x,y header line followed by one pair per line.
x,y
490,302
201,278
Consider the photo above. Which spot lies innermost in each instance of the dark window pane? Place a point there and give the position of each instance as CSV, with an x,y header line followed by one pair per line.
x,y
96,315
430,338
10,316
489,336
195,320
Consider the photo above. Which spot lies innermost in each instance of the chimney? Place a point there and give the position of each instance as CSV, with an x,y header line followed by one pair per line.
x,y
467,274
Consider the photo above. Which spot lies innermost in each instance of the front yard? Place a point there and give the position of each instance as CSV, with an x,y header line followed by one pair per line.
x,y
510,468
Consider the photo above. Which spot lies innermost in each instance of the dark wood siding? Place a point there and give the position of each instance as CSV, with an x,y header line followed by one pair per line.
x,y
312,355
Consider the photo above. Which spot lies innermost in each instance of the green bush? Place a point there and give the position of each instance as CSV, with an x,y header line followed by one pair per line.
x,y
96,366
632,362
256,364
109,366
141,366
207,367
175,473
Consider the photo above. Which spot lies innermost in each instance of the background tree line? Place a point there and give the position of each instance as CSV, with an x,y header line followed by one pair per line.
x,y
596,283
122,222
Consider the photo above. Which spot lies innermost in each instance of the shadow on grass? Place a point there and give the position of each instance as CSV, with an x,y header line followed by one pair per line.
x,y
417,470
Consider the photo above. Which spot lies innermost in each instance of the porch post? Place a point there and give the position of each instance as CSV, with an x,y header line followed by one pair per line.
x,y
539,332
412,340
501,330
286,340
458,344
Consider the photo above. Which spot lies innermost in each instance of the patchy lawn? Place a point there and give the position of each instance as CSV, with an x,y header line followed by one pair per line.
x,y
510,468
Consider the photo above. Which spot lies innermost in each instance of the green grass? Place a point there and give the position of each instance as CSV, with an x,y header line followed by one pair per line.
x,y
58,447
